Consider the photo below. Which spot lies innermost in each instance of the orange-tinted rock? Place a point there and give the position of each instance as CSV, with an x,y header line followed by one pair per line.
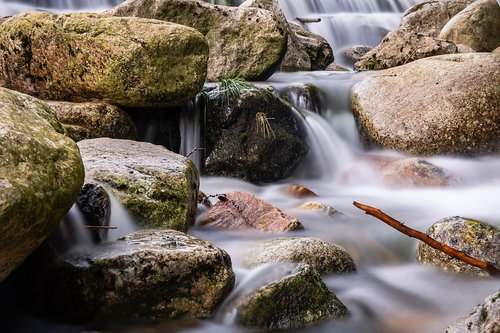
x,y
299,191
240,210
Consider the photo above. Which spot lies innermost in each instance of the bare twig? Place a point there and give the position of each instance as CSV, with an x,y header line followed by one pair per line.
x,y
375,212
308,20
100,227
194,149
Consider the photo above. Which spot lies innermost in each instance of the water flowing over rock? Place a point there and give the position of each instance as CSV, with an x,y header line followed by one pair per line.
x,y
245,132
299,300
322,256
83,57
477,26
475,238
94,120
240,210
441,105
157,186
148,274
95,204
41,174
247,41
485,318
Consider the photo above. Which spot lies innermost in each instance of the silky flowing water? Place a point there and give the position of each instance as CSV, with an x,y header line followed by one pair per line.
x,y
391,292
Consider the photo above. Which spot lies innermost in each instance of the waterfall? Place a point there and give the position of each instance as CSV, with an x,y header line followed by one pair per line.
x,y
12,7
190,124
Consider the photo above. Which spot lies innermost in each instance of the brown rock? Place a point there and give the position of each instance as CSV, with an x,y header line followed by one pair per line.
x,y
318,49
299,191
240,210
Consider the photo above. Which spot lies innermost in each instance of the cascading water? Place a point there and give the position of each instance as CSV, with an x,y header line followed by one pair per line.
x,y
390,293
12,7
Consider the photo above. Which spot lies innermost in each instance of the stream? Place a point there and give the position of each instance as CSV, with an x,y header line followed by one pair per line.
x,y
391,292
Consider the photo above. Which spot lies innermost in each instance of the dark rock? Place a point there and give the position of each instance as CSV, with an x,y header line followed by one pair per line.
x,y
240,210
318,49
95,204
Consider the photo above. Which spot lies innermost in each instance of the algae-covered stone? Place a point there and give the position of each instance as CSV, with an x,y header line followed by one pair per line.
x,y
247,41
477,239
94,120
477,26
485,318
148,274
298,300
245,132
41,174
157,186
322,256
82,57
440,105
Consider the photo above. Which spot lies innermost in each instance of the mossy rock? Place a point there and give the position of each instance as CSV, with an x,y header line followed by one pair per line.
x,y
477,239
157,186
247,41
153,274
41,174
82,57
299,300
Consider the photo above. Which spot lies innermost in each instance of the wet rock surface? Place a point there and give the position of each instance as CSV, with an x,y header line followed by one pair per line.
x,y
240,210
94,120
298,300
324,257
247,41
155,274
157,186
475,238
319,51
41,174
440,105
484,318
244,132
83,57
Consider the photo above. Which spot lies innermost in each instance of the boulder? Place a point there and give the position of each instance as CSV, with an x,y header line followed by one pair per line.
x,y
95,204
245,131
484,318
403,172
403,46
477,239
240,210
41,174
314,206
336,68
298,191
298,300
353,54
160,274
157,186
324,257
430,16
496,51
296,58
247,41
94,120
440,105
319,51
477,26
82,57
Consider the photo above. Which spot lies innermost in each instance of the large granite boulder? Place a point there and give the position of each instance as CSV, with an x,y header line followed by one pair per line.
x,y
296,300
416,37
82,57
324,257
245,40
94,120
241,210
245,131
41,174
148,274
157,186
477,26
477,239
484,318
441,105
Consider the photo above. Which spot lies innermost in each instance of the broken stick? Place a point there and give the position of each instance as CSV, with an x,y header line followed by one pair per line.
x,y
375,212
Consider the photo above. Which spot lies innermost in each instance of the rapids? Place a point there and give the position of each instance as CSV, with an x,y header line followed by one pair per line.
x,y
391,292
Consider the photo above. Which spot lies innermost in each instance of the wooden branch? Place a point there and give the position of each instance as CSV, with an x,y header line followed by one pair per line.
x,y
100,227
308,20
375,212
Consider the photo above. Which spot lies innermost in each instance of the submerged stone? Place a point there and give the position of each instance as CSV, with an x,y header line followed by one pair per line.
x,y
242,40
154,274
301,299
475,238
41,174
157,186
324,257
83,57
